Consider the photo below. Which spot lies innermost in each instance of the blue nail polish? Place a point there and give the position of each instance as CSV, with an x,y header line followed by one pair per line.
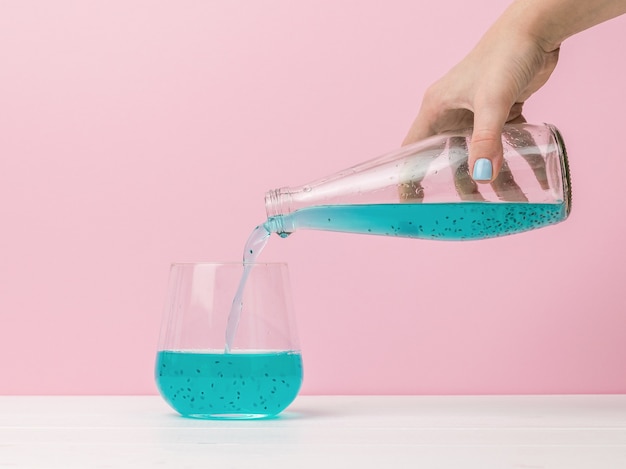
x,y
482,170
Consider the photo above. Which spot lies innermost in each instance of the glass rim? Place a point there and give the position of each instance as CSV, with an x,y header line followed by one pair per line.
x,y
225,263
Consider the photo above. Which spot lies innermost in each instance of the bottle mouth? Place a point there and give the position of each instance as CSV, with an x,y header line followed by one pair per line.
x,y
566,176
278,204
271,203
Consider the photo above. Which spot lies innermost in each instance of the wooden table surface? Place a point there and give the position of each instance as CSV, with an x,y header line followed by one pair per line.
x,y
430,432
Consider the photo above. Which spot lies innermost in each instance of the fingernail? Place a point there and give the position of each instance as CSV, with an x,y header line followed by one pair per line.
x,y
482,170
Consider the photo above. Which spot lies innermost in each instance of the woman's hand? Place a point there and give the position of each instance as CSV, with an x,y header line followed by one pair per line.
x,y
486,90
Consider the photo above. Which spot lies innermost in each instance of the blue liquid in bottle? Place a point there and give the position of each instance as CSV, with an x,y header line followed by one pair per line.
x,y
443,221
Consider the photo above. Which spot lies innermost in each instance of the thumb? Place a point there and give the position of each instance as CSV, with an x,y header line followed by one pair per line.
x,y
485,149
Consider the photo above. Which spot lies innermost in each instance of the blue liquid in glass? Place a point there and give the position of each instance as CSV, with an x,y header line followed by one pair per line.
x,y
444,221
218,384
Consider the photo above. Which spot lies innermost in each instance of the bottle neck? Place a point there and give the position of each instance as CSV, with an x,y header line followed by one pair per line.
x,y
278,202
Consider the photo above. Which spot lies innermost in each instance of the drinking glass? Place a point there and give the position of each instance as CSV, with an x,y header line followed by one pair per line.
x,y
260,373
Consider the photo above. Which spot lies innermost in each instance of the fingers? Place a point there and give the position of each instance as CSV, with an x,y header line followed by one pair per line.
x,y
485,151
440,111
506,188
411,191
465,186
419,130
503,185
422,126
524,143
410,188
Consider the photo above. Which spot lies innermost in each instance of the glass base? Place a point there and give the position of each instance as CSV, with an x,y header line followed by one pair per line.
x,y
231,416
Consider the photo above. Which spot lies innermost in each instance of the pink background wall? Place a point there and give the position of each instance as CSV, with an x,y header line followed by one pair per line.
x,y
134,134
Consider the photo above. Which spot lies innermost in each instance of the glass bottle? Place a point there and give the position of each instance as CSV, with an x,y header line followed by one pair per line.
x,y
424,190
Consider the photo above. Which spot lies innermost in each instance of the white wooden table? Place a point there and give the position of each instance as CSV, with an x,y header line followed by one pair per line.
x,y
319,432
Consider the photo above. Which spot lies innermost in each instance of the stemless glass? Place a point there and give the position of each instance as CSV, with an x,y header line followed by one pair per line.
x,y
260,374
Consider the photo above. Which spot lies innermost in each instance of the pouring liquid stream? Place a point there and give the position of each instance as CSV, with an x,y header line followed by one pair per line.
x,y
254,245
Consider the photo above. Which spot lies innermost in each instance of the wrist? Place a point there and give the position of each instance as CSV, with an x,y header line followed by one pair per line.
x,y
550,22
534,20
